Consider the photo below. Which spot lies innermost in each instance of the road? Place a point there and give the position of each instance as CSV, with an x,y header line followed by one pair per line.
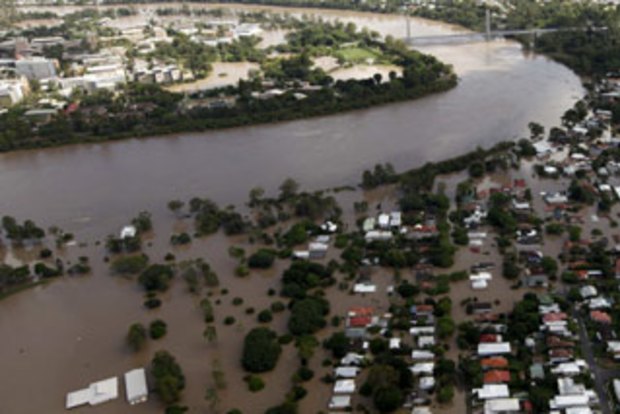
x,y
602,376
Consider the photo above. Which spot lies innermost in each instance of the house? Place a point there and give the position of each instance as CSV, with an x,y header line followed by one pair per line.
x,y
422,355
492,391
422,368
600,317
378,235
128,232
562,402
502,406
344,386
570,368
490,338
384,221
494,362
496,377
352,359
588,291
427,383
135,386
537,371
41,116
560,355
340,402
599,303
613,347
543,148
491,349
346,372
480,307
364,288
97,393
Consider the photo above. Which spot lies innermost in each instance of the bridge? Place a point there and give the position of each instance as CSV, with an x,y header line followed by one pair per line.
x,y
476,36
487,35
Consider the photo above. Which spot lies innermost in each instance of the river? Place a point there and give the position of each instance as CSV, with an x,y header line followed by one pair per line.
x,y
60,337
93,188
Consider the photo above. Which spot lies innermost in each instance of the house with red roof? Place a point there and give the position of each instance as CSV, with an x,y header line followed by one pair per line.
x,y
494,362
496,377
600,317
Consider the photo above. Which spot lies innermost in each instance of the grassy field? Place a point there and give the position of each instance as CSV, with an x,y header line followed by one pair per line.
x,y
357,54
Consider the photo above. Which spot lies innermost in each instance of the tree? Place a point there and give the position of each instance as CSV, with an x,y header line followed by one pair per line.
x,y
175,205
256,194
445,327
262,259
136,337
308,315
338,343
169,378
129,264
156,277
143,222
288,189
210,333
388,399
536,130
261,350
445,394
158,329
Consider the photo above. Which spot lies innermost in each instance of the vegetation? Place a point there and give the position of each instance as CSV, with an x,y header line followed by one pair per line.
x,y
169,378
261,350
136,337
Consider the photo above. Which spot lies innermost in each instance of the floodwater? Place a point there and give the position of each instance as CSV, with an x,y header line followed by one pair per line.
x,y
223,74
62,336
93,188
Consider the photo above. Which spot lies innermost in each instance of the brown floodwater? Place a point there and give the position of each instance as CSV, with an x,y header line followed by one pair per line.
x,y
64,335
92,188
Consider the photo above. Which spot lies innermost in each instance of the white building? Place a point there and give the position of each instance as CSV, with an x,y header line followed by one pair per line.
x,y
97,393
135,386
36,68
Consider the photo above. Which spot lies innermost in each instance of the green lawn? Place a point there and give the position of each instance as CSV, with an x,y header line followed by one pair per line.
x,y
357,54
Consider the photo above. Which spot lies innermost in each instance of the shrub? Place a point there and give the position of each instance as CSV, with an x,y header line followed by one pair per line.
x,y
255,383
265,316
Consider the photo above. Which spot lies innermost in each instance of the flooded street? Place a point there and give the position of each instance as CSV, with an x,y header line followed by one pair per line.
x,y
62,336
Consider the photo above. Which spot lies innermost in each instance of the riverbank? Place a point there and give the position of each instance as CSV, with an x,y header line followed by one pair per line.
x,y
288,86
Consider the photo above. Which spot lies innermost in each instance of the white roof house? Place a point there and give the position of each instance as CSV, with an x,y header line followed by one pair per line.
x,y
422,368
427,382
344,386
617,388
135,386
96,393
384,220
128,232
501,405
569,368
492,391
567,401
364,288
352,359
340,402
497,348
395,219
419,355
346,372
426,341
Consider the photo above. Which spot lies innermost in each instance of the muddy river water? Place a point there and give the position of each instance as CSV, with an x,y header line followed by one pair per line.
x,y
60,337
